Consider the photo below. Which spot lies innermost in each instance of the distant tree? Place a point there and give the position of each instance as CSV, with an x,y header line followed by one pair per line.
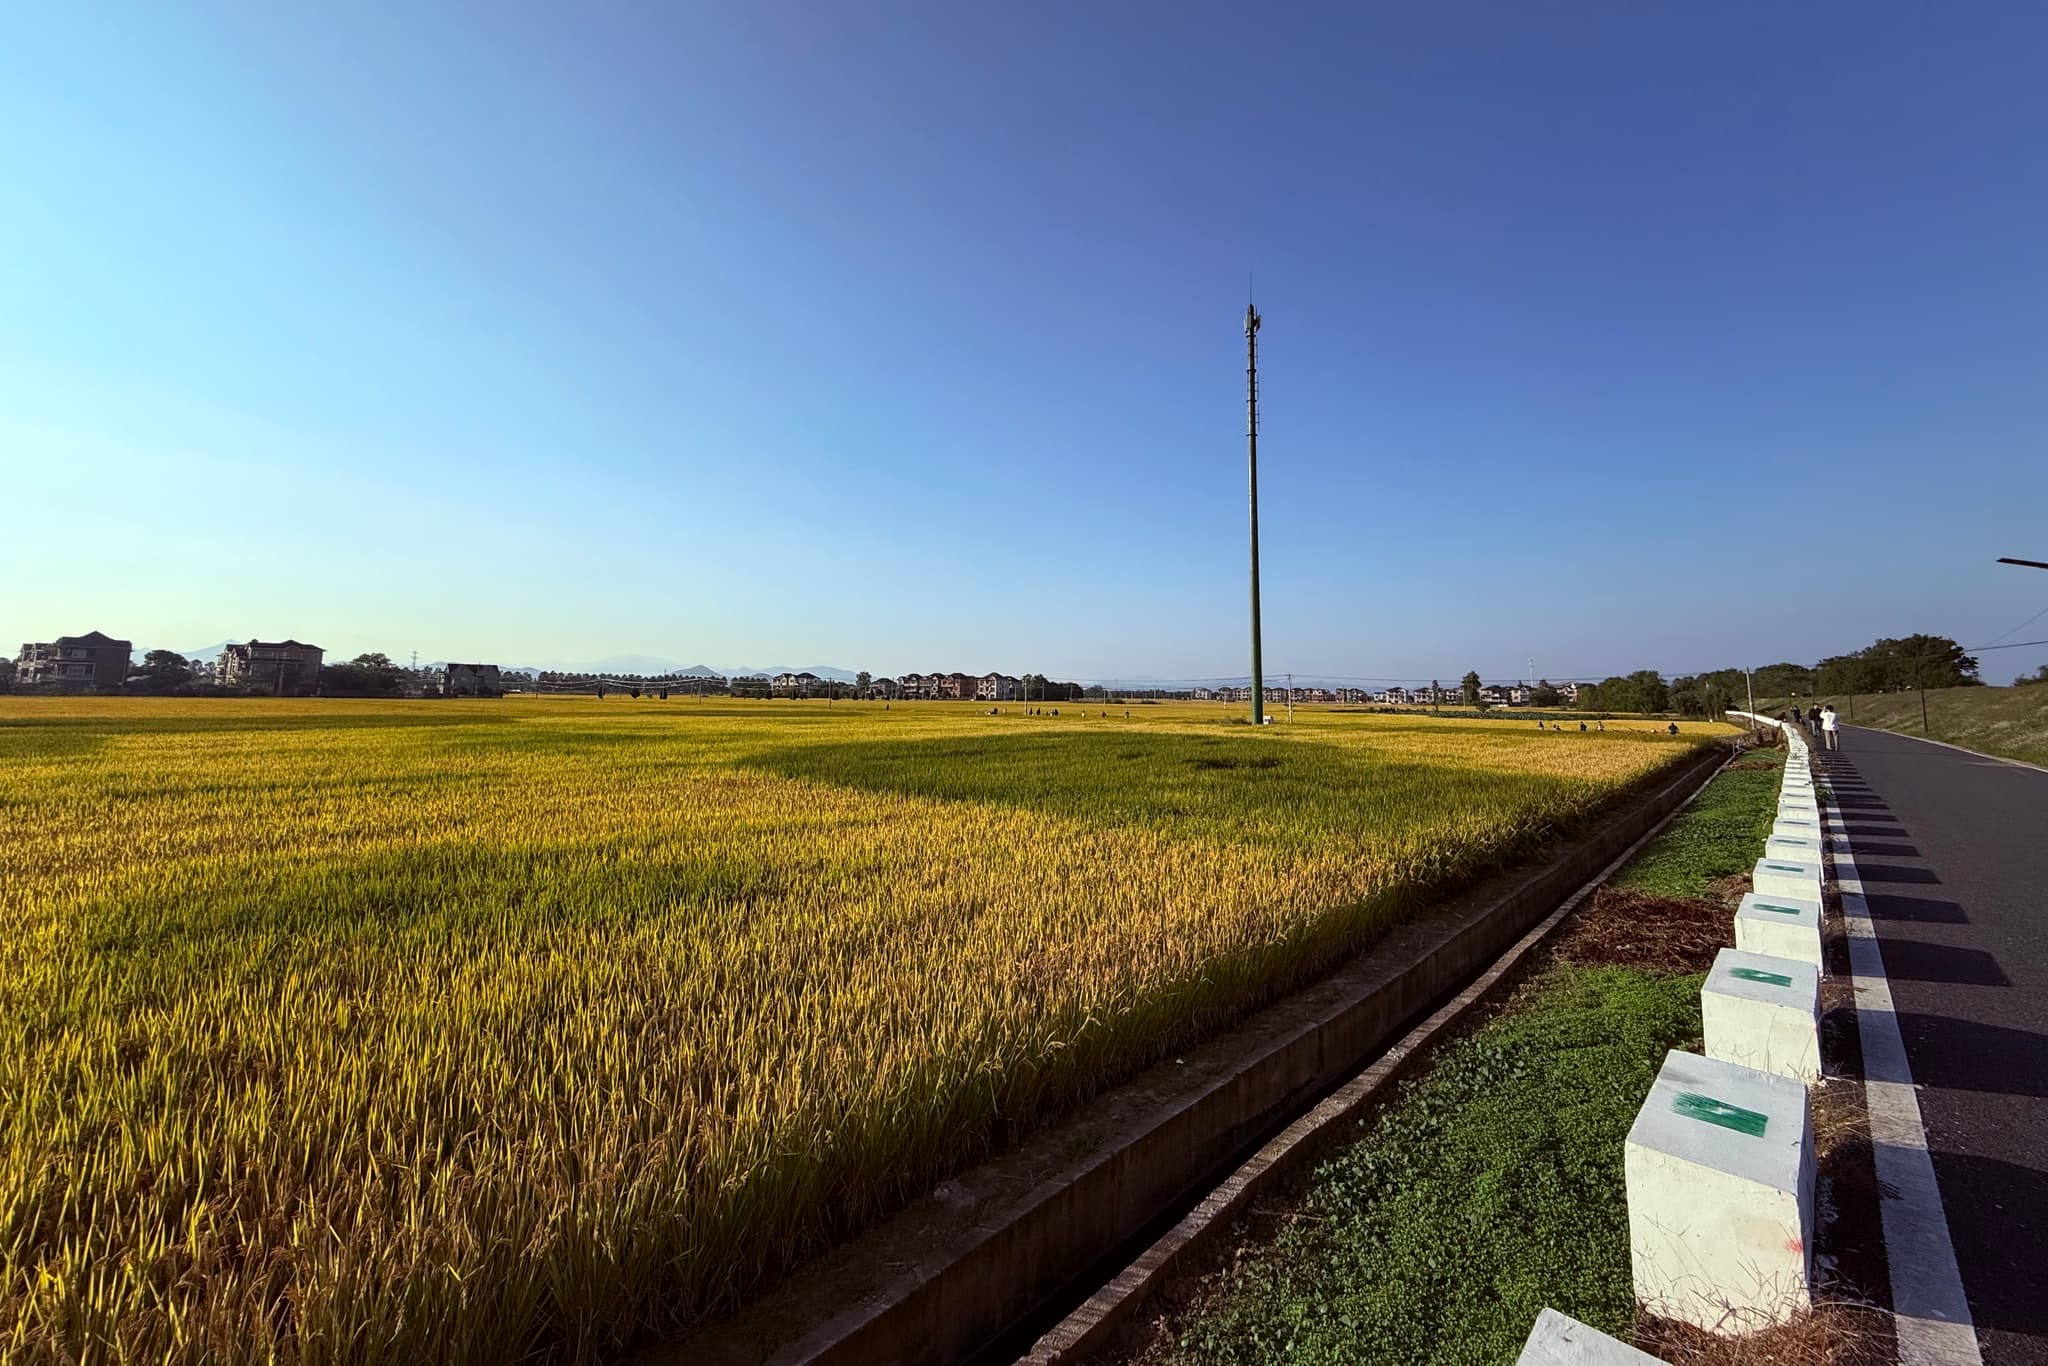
x,y
2039,675
863,680
161,671
1652,693
1469,684
1785,680
1436,693
367,675
1543,695
1839,674
1613,694
1916,661
1708,694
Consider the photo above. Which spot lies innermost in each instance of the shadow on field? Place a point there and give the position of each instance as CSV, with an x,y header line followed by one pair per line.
x,y
110,724
1243,788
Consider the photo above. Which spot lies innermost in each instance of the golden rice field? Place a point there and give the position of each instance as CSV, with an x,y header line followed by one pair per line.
x,y
364,1032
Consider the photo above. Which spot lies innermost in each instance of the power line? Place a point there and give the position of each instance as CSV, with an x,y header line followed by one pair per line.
x,y
2021,627
2016,645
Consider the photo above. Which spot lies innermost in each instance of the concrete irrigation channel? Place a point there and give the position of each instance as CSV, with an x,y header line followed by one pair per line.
x,y
1041,1251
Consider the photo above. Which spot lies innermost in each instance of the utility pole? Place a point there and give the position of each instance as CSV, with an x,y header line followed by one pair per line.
x,y
1251,440
1290,697
1749,675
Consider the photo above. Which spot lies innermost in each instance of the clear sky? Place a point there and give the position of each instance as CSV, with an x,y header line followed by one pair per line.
x,y
909,337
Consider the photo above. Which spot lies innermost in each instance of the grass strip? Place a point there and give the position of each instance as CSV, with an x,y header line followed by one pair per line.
x,y
1492,1185
1719,836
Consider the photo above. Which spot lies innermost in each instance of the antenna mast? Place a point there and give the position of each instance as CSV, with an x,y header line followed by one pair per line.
x,y
1251,436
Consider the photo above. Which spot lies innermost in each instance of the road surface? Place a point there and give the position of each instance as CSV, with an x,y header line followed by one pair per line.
x,y
1953,852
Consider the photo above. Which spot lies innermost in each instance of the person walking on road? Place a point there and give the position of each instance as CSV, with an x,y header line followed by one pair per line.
x,y
1827,724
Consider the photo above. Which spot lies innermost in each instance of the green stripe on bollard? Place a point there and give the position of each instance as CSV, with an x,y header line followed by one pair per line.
x,y
1777,910
1782,868
1769,979
1707,1110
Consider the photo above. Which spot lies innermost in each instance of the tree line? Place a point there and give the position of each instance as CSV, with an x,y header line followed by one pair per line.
x,y
167,672
1887,665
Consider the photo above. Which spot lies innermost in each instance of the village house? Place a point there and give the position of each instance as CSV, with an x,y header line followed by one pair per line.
x,y
996,687
284,668
796,685
471,680
92,660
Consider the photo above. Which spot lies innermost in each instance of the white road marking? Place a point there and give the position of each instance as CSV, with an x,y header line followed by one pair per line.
x,y
1933,1314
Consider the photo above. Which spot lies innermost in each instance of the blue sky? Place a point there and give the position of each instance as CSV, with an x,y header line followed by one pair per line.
x,y
910,336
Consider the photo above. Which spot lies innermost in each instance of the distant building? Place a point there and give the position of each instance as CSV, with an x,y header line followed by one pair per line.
x,y
471,680
796,685
88,661
995,687
284,668
884,688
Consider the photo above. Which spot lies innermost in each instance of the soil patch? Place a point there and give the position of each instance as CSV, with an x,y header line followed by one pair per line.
x,y
1637,930
1834,1334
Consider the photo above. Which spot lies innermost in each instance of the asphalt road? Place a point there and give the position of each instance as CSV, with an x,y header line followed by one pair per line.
x,y
1953,852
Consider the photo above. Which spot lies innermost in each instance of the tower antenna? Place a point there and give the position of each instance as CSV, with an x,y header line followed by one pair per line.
x,y
1251,435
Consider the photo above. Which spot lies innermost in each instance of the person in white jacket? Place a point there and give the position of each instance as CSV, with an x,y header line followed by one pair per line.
x,y
1827,724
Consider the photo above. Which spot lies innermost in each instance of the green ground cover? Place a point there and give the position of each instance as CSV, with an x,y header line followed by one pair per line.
x,y
1720,835
1491,1186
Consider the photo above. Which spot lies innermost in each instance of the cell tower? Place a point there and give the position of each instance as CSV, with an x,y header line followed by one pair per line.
x,y
1251,436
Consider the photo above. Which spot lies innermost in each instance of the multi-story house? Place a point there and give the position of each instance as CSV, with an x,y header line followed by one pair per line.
x,y
796,685
92,660
284,668
471,680
995,687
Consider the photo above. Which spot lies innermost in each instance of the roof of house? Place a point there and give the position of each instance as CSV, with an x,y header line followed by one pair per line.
x,y
279,645
91,639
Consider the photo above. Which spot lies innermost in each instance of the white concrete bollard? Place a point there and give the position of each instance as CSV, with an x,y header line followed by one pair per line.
x,y
1786,877
1561,1340
1779,927
1805,848
1719,1167
1764,1012
1803,827
1799,806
